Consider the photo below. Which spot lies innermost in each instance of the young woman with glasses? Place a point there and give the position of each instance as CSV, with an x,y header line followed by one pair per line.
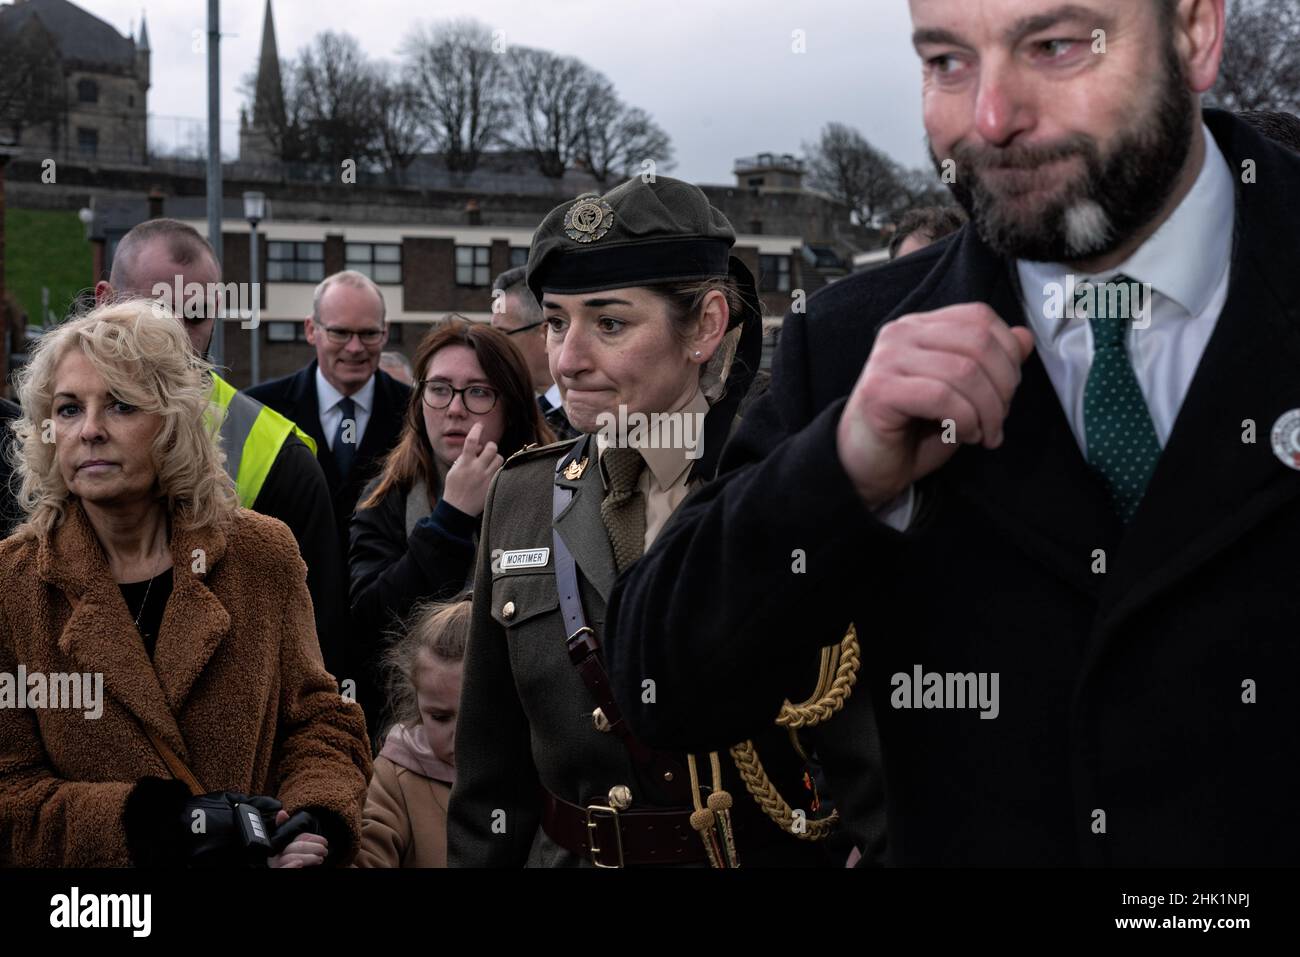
x,y
415,530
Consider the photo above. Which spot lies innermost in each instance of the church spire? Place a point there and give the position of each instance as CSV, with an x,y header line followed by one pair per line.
x,y
268,102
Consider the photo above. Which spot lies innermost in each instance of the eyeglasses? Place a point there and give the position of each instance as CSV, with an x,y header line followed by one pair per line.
x,y
342,337
478,399
531,325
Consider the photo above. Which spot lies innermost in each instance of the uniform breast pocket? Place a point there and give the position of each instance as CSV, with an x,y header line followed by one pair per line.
x,y
519,598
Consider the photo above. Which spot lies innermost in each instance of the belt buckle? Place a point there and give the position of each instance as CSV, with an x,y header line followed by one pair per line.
x,y
585,629
592,822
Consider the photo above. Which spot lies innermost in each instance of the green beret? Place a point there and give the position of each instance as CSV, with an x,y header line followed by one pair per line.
x,y
637,234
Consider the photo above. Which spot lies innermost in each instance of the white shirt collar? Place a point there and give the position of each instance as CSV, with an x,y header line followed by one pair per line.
x,y
552,395
327,396
1183,261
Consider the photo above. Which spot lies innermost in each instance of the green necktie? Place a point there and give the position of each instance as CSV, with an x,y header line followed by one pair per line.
x,y
623,508
1122,444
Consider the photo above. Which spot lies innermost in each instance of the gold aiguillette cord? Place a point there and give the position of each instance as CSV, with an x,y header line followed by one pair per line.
x,y
713,823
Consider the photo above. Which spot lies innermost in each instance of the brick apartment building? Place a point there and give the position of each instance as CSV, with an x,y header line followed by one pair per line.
x,y
435,252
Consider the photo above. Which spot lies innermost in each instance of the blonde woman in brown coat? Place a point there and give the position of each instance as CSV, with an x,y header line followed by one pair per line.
x,y
137,573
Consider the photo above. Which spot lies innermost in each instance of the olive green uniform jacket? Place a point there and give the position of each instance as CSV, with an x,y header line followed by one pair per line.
x,y
525,721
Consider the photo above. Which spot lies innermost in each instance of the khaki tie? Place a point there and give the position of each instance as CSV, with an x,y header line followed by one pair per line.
x,y
623,508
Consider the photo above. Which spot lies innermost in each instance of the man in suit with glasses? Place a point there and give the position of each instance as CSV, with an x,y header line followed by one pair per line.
x,y
343,399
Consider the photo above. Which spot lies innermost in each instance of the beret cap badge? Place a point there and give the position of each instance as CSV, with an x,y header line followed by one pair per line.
x,y
588,220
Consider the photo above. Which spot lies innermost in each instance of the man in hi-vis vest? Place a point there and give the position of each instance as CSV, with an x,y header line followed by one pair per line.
x,y
272,462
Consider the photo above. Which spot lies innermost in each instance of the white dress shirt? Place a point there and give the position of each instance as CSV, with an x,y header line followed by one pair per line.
x,y
552,395
328,399
1187,264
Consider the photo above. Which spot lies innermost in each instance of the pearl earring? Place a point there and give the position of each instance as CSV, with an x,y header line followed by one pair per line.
x,y
697,353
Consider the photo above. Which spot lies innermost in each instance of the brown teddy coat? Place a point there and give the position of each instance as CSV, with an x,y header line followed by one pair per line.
x,y
237,689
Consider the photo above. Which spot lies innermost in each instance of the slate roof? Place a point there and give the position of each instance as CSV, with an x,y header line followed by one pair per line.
x,y
80,35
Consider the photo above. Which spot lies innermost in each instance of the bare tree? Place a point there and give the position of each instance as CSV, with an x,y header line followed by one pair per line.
x,y
32,88
458,91
922,187
458,77
548,94
614,140
852,171
331,98
1261,57
399,126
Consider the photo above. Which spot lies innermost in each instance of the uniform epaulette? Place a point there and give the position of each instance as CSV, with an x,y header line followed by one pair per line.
x,y
534,451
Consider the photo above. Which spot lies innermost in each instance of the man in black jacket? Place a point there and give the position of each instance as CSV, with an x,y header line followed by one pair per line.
x,y
342,399
1065,526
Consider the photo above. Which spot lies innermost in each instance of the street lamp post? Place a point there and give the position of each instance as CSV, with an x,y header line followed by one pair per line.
x,y
217,349
254,212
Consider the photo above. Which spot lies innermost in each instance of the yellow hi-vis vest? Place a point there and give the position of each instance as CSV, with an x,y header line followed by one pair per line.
x,y
251,435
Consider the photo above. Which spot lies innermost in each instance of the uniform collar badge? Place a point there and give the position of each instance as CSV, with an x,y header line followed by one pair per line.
x,y
1286,439
588,220
573,471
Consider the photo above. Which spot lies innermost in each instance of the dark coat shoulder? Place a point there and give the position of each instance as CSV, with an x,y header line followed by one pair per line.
x,y
277,393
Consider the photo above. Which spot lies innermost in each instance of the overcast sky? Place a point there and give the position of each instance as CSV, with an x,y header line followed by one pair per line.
x,y
724,84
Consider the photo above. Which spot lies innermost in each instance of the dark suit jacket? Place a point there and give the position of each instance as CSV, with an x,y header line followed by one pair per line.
x,y
294,396
1123,693
558,420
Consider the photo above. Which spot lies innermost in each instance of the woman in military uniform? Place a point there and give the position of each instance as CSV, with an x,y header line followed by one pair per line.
x,y
647,314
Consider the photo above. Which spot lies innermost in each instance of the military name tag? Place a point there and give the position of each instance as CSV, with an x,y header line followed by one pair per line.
x,y
533,558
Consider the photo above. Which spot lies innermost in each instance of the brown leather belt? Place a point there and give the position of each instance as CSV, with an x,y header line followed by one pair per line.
x,y
641,838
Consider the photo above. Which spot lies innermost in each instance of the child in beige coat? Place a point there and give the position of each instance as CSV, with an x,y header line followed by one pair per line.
x,y
405,817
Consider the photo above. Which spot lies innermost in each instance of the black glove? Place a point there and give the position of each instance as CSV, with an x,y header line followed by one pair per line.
x,y
228,829
304,822
167,827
